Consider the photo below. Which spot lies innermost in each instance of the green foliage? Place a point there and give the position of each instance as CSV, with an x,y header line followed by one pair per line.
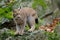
x,y
5,34
39,2
11,32
41,21
52,36
6,12
27,27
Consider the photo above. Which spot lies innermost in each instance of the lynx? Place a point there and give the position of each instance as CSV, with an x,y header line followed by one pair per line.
x,y
23,16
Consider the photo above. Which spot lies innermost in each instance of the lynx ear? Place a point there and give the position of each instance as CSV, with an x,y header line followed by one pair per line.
x,y
15,10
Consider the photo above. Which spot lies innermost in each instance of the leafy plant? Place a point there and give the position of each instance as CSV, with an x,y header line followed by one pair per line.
x,y
39,2
52,36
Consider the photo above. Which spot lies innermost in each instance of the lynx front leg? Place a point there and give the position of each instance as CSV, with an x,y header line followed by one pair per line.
x,y
22,27
17,29
31,22
21,32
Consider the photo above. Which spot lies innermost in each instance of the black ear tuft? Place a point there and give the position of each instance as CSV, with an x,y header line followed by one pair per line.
x,y
36,20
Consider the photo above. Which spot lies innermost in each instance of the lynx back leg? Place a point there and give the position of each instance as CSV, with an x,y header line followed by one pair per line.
x,y
31,22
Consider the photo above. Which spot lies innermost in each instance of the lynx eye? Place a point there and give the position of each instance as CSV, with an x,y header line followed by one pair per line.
x,y
15,14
